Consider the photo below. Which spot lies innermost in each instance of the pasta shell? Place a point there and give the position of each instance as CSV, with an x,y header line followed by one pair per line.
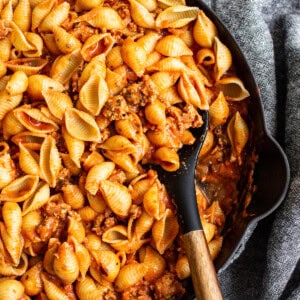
x,y
92,159
124,161
34,120
55,17
152,203
81,5
97,173
114,58
69,164
39,83
167,158
214,214
87,214
149,41
5,47
73,196
164,80
30,140
97,44
109,262
155,113
30,66
20,189
40,11
57,102
209,230
176,16
14,246
50,43
170,96
7,11
97,203
141,15
65,41
7,166
192,91
93,242
3,82
204,30
238,133
153,58
83,257
151,5
37,42
103,17
118,143
18,38
168,64
218,111
87,288
29,224
143,225
81,125
8,103
166,3
172,45
17,83
197,73
233,88
32,280
40,198
74,146
65,263
52,290
215,246
48,259
11,289
207,144
11,214
134,56
22,15
97,66
64,66
130,127
116,80
130,275
115,235
155,263
223,59
29,161
7,269
94,94
205,56
164,231
50,161
139,186
182,268
76,229
116,196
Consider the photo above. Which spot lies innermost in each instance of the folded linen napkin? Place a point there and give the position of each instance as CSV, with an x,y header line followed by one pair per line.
x,y
268,32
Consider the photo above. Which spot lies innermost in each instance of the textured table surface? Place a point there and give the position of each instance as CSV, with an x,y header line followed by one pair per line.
x,y
268,32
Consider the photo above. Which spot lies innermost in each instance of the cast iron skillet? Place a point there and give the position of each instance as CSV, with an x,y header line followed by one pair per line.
x,y
271,174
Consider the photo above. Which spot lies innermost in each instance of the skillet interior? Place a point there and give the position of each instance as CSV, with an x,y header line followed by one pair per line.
x,y
271,174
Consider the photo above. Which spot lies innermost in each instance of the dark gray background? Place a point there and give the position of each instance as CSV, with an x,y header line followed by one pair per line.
x,y
268,32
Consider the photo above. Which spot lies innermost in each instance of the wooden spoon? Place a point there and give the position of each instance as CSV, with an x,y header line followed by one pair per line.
x,y
181,187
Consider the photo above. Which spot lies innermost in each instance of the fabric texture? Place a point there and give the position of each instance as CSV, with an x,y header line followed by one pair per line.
x,y
268,32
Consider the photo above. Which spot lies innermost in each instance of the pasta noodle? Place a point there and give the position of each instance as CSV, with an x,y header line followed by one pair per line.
x,y
90,92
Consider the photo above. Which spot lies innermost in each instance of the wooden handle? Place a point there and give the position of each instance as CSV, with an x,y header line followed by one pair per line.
x,y
205,281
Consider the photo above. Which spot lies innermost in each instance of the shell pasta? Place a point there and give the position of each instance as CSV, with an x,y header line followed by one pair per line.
x,y
90,92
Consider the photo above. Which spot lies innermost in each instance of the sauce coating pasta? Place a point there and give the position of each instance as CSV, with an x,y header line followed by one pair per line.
x,y
90,92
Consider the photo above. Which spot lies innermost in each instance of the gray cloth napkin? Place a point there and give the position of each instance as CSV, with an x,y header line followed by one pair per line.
x,y
268,32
